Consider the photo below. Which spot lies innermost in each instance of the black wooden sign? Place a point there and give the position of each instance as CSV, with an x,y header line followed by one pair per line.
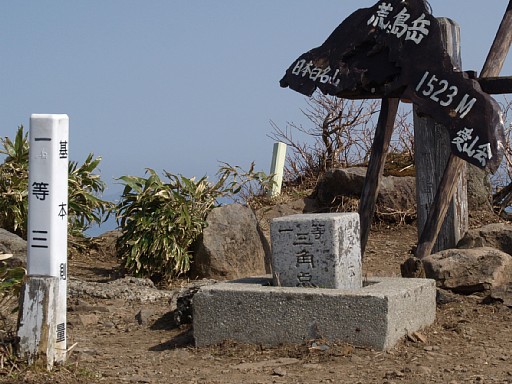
x,y
394,49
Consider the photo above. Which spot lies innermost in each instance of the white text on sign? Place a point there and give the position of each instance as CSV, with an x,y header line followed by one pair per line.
x,y
440,91
414,31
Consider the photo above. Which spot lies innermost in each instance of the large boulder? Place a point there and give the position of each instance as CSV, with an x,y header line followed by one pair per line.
x,y
231,245
266,214
502,294
14,244
340,182
479,190
397,195
397,198
469,270
497,235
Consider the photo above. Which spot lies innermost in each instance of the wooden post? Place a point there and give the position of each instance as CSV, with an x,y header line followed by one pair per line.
x,y
46,283
438,210
277,168
432,151
492,67
500,46
380,146
478,179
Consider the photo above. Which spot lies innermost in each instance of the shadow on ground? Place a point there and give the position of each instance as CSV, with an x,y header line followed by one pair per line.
x,y
184,339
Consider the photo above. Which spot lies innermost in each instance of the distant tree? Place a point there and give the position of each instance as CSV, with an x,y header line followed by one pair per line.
x,y
501,181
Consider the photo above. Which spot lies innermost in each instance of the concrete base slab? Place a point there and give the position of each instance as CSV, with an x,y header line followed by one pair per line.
x,y
252,311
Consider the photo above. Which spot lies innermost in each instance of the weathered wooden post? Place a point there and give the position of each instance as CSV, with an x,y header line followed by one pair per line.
x,y
380,146
42,318
478,178
432,151
492,67
500,46
277,168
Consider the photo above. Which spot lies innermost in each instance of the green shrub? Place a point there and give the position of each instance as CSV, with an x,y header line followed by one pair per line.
x,y
161,220
11,279
14,184
84,187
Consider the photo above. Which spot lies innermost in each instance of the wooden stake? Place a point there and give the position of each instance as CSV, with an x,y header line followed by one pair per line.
x,y
277,168
380,146
500,47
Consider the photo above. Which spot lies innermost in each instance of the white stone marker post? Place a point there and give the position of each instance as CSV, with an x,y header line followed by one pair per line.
x,y
277,168
42,326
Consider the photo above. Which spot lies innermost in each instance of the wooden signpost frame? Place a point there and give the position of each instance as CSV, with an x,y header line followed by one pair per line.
x,y
491,84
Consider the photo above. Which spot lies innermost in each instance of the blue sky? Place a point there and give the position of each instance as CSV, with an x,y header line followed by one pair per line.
x,y
178,85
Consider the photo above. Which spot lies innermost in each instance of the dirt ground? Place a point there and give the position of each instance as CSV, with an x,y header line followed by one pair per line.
x,y
118,341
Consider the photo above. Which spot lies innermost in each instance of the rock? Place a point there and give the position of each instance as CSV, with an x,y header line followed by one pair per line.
x,y
288,208
3,249
423,370
340,181
412,267
502,294
445,297
394,374
231,245
185,300
274,363
14,244
479,190
397,195
469,270
80,305
4,253
397,199
418,337
142,317
278,371
128,288
140,379
498,235
108,241
266,214
88,319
